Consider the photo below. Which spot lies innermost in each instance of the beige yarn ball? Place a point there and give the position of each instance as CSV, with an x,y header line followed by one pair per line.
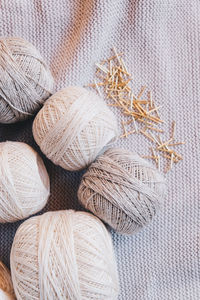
x,y
73,126
122,189
6,287
63,255
24,182
25,80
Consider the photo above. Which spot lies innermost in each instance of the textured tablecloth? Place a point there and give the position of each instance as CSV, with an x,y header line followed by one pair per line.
x,y
160,39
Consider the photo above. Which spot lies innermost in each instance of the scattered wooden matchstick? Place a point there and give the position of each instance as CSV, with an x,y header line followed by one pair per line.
x,y
155,129
97,87
150,99
164,144
127,133
176,144
137,110
173,129
147,135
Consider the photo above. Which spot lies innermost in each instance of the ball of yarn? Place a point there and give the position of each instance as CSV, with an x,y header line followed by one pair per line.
x,y
63,255
73,126
25,80
122,189
24,182
6,287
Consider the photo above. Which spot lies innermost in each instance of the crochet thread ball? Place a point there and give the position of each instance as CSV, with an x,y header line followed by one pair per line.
x,y
25,80
6,287
63,255
122,189
73,126
24,182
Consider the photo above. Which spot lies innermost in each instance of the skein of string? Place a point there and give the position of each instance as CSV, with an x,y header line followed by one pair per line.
x,y
122,189
25,81
6,287
73,127
63,255
24,182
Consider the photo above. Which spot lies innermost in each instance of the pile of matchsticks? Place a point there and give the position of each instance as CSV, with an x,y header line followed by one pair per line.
x,y
140,112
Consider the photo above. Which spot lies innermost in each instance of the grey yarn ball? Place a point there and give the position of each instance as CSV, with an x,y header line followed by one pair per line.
x,y
25,80
122,189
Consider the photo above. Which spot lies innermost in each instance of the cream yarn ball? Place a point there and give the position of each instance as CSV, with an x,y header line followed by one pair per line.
x,y
73,126
63,255
122,189
24,182
6,287
25,80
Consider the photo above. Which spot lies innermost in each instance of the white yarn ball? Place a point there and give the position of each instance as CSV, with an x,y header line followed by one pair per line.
x,y
24,182
6,287
122,189
73,126
25,80
63,255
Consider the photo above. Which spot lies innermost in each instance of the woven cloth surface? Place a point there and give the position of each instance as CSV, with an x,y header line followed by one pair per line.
x,y
160,39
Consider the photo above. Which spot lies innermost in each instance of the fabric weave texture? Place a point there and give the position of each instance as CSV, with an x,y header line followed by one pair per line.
x,y
161,42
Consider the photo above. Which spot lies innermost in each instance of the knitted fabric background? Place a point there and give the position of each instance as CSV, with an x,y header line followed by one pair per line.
x,y
160,39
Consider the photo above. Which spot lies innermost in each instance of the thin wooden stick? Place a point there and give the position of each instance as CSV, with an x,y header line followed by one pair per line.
x,y
146,122
96,84
139,108
147,135
141,92
169,157
140,101
102,68
131,101
153,152
177,155
154,156
136,128
123,71
176,144
155,129
113,104
123,65
173,129
165,143
127,133
150,96
116,54
97,87
165,150
154,109
154,138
